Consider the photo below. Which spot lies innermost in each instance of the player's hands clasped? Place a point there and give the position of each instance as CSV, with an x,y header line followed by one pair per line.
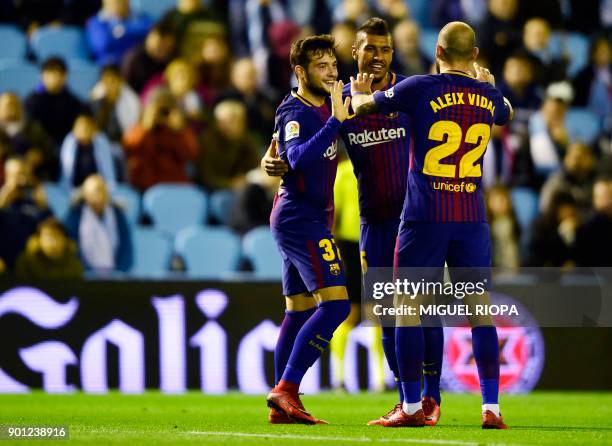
x,y
483,74
340,108
362,84
271,163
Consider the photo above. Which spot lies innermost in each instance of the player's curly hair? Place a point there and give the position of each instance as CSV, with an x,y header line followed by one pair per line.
x,y
303,51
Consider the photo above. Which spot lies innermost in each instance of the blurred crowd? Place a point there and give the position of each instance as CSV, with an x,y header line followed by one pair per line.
x,y
189,97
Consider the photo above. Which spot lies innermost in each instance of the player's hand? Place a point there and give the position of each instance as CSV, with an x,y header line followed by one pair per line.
x,y
271,164
362,84
483,74
340,108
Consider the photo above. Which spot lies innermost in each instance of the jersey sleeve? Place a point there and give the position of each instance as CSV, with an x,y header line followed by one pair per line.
x,y
302,139
399,98
502,107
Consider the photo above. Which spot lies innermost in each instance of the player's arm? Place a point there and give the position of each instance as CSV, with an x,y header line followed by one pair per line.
x,y
303,151
484,75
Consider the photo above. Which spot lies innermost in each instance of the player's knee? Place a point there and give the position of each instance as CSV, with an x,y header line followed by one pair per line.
x,y
337,309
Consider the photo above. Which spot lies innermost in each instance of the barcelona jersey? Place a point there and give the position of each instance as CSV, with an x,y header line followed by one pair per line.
x,y
377,145
452,115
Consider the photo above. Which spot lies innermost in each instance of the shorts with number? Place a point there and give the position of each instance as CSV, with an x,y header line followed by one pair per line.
x,y
311,259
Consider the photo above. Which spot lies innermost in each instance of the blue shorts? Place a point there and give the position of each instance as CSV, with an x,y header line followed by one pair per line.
x,y
377,246
311,259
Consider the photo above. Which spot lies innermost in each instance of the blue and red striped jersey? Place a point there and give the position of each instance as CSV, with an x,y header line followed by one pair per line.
x,y
378,146
452,115
306,137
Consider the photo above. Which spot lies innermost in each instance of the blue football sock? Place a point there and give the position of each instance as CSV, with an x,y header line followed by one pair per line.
x,y
293,322
388,342
432,364
486,354
409,347
314,336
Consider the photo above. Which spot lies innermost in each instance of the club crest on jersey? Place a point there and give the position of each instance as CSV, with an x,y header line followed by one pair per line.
x,y
334,269
390,92
331,151
292,130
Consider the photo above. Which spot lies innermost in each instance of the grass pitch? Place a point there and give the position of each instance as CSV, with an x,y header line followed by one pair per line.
x,y
235,419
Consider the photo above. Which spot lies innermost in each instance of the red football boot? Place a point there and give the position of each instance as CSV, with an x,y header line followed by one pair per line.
x,y
431,410
278,417
402,419
378,421
492,421
285,398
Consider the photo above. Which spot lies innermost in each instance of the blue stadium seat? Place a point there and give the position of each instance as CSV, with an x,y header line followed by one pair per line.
x,y
154,9
429,39
208,252
20,78
525,202
419,11
152,252
582,125
129,199
174,206
221,204
259,247
574,45
67,42
58,199
82,76
14,43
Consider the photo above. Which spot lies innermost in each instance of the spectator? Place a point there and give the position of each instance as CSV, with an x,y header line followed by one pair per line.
x,y
159,148
49,254
191,22
228,149
115,104
548,68
593,85
505,230
355,11
344,36
279,76
409,58
101,229
21,193
519,87
146,60
86,151
114,30
554,233
260,108
52,104
576,178
182,80
25,137
393,11
547,130
214,66
594,238
499,34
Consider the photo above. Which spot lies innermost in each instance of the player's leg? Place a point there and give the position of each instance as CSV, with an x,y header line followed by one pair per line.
x,y
471,248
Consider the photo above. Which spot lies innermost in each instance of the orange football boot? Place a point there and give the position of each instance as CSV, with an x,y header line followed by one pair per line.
x,y
278,417
402,419
378,421
492,421
431,410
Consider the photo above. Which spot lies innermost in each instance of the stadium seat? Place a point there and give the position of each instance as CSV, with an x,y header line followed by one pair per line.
x,y
82,76
58,199
14,43
129,199
221,203
429,39
582,125
420,12
174,206
20,78
154,9
525,203
208,252
260,249
152,252
67,42
575,46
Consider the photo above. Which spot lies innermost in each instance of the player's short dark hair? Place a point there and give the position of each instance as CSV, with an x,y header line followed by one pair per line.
x,y
303,51
374,26
54,63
